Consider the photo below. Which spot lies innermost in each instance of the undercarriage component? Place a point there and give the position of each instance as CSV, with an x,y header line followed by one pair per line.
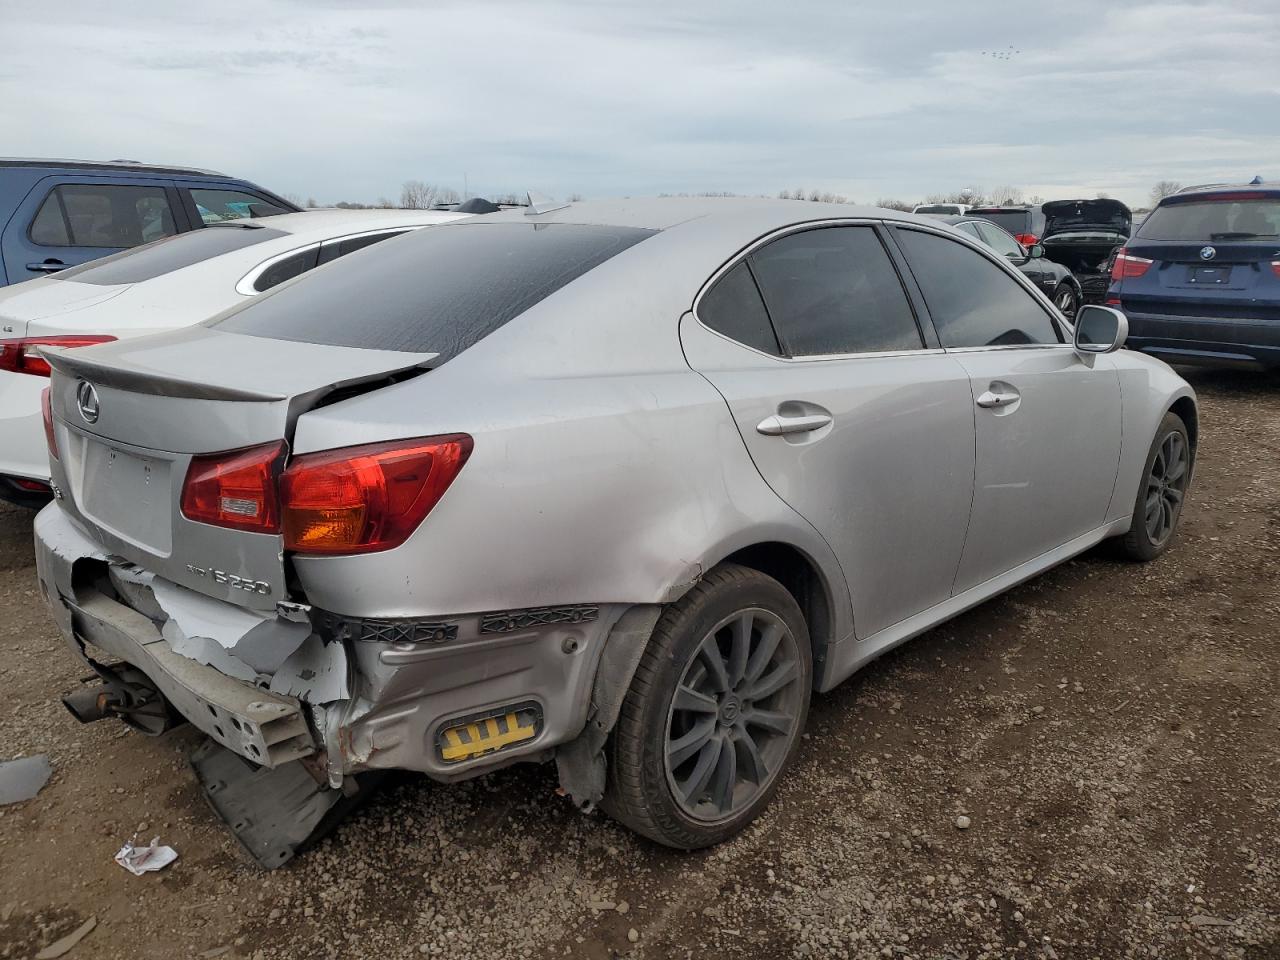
x,y
127,694
275,813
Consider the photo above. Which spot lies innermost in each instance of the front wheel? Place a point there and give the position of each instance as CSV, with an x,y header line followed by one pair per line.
x,y
1067,301
1158,506
715,711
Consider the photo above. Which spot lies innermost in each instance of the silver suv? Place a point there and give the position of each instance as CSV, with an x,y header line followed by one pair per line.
x,y
618,485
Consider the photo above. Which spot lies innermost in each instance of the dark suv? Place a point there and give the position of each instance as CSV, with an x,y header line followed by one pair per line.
x,y
55,214
1200,280
1025,222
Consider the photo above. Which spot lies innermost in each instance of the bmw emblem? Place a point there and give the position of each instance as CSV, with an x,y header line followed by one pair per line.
x,y
1207,253
87,401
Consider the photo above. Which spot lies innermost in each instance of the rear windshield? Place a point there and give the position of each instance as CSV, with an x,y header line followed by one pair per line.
x,y
164,256
1015,221
438,290
944,208
1213,220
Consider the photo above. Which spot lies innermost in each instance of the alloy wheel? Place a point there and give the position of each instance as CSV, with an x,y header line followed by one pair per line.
x,y
734,715
1166,487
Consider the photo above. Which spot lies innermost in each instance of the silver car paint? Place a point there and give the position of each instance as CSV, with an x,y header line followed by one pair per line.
x,y
606,471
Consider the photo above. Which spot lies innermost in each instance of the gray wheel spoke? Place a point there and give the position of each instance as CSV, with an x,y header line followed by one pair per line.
x,y
693,701
773,681
726,776
753,763
763,652
695,786
1173,495
709,652
680,750
1176,471
740,648
770,720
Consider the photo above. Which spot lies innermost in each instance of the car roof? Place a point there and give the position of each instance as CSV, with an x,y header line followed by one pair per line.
x,y
113,165
328,222
1208,189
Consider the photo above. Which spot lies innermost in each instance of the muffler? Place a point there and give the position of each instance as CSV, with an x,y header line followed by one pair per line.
x,y
88,704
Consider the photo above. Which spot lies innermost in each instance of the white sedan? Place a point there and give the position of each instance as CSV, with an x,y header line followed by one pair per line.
x,y
171,283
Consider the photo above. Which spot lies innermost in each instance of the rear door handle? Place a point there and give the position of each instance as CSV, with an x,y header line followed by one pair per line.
x,y
998,398
49,266
780,426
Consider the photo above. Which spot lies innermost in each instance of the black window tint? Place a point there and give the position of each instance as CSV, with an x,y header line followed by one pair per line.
x,y
433,291
733,307
102,215
218,206
972,301
835,290
340,248
1213,220
144,263
287,269
1014,221
1000,242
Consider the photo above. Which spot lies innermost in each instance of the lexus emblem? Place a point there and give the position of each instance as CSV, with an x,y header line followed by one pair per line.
x,y
1207,253
87,401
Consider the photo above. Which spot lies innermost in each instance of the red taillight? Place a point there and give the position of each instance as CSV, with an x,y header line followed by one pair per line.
x,y
1026,239
46,409
1275,267
236,489
18,356
367,498
1127,266
31,486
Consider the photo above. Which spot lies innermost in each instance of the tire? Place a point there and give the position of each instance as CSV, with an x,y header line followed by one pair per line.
x,y
726,787
1170,453
1067,300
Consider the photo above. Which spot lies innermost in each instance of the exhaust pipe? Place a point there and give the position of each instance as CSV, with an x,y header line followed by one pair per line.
x,y
89,704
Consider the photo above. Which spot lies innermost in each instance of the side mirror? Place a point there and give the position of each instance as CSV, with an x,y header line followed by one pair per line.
x,y
1035,251
1100,329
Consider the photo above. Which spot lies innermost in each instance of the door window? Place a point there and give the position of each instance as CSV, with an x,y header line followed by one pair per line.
x,y
286,269
971,229
972,301
102,215
733,307
1001,242
215,206
834,290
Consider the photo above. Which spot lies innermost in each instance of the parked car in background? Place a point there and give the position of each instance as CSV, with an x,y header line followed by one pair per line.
x,y
170,283
1023,221
1084,236
618,483
1054,279
940,209
1200,279
57,213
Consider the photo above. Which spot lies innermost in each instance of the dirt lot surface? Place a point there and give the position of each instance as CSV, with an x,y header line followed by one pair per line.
x,y
1111,732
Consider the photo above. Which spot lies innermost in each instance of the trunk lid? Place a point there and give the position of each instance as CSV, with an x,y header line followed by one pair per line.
x,y
159,401
23,303
1086,217
1235,281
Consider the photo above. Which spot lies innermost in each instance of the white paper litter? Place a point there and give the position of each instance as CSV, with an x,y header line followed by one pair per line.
x,y
139,860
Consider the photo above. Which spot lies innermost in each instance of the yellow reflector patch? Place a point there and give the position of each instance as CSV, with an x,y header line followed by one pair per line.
x,y
472,738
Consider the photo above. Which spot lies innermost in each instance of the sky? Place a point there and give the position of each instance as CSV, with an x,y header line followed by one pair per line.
x,y
339,100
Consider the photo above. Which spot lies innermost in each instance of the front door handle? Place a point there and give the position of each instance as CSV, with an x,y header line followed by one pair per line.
x,y
49,266
998,398
780,426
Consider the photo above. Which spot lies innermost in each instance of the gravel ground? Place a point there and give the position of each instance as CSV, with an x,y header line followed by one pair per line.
x,y
1109,733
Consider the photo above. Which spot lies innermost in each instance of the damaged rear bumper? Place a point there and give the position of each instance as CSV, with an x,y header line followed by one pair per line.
x,y
359,694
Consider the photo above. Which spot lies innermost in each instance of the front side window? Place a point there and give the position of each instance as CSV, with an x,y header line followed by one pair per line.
x,y
733,307
102,215
972,301
217,206
834,290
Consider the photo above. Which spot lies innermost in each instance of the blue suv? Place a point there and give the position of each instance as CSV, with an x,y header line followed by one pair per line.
x,y
55,214
1200,280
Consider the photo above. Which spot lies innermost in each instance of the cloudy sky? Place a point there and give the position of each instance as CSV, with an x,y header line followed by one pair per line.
x,y
345,100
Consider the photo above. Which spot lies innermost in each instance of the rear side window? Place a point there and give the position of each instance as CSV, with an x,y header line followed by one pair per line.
x,y
434,291
218,206
340,248
1214,220
834,290
733,307
153,260
1000,242
973,302
102,215
286,268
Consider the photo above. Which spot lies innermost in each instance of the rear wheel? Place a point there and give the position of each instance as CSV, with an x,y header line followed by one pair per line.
x,y
715,711
1067,300
1158,506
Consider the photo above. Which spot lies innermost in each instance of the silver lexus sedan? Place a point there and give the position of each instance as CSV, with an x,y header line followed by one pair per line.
x,y
618,485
